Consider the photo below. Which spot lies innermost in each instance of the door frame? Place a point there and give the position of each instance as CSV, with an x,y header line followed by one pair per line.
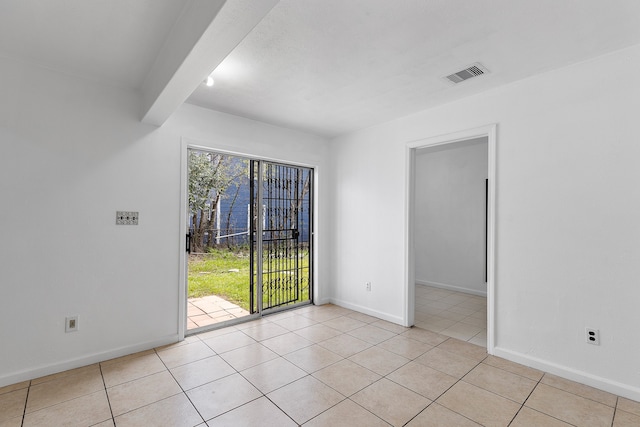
x,y
490,132
186,144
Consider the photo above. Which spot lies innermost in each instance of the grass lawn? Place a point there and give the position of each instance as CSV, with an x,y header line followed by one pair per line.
x,y
214,274
227,274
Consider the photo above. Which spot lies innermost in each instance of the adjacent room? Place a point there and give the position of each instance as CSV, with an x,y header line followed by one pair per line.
x,y
450,232
432,203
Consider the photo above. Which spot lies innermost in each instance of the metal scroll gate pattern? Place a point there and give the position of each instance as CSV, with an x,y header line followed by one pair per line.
x,y
285,224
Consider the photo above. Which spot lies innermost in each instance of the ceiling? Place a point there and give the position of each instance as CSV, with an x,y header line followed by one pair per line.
x,y
325,66
114,42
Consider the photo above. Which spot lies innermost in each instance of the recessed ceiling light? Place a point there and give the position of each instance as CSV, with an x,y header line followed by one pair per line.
x,y
209,82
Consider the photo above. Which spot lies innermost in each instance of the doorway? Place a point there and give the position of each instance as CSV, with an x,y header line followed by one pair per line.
x,y
485,271
249,238
450,244
218,268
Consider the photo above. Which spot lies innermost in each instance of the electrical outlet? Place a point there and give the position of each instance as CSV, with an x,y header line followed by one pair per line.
x,y
368,286
593,336
71,324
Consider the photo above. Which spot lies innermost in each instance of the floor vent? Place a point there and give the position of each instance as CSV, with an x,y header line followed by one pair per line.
x,y
471,71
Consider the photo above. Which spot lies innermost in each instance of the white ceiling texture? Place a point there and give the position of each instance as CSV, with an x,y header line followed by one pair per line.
x,y
110,41
322,66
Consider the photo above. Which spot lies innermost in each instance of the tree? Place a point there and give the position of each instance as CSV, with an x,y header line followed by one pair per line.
x,y
210,175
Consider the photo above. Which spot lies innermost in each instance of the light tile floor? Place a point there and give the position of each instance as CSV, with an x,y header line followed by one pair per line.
x,y
450,313
210,310
315,366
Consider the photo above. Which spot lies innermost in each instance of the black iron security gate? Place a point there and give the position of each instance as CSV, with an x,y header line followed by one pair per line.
x,y
281,235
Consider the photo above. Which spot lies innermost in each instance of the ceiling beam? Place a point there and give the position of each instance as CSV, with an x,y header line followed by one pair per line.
x,y
204,34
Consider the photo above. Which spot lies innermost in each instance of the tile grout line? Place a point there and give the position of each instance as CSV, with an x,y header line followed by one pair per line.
x,y
583,397
350,400
55,379
310,374
24,410
462,379
226,376
284,385
276,405
332,388
400,385
261,392
443,295
364,367
450,387
525,400
179,385
106,394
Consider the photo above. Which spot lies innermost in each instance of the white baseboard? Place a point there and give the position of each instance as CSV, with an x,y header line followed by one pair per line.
x,y
364,310
582,377
451,288
54,368
322,301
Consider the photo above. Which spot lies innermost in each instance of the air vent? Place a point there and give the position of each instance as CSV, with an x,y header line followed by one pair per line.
x,y
474,70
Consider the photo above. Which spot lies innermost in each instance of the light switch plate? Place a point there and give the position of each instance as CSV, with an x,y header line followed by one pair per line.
x,y
126,218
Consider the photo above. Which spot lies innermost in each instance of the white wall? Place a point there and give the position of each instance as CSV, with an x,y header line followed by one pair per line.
x,y
568,203
71,154
450,203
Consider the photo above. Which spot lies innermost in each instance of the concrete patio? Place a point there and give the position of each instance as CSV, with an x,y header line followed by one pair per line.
x,y
210,310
